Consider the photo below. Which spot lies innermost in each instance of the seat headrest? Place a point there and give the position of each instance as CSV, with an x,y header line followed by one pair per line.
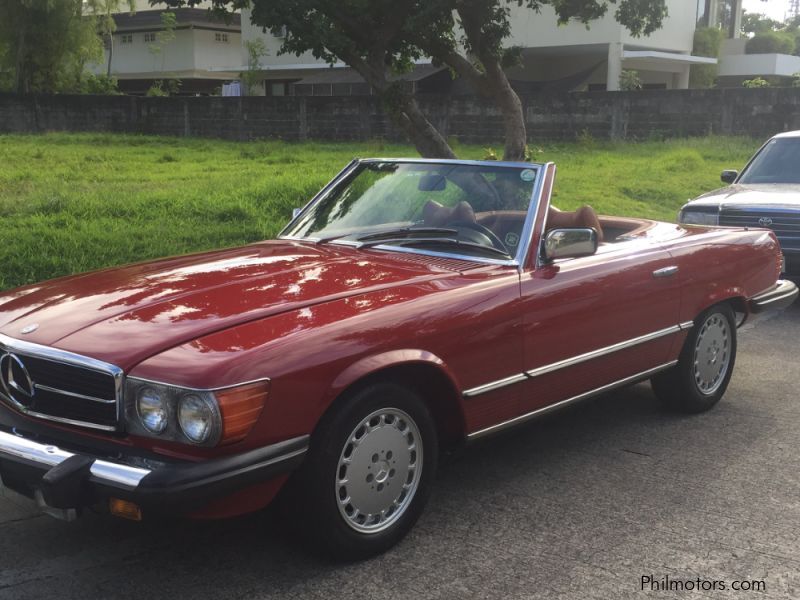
x,y
585,216
436,215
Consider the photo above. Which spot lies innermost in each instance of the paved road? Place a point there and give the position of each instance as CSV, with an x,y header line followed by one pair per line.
x,y
581,505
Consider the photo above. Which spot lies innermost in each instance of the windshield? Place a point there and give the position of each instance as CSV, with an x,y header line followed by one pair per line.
x,y
472,209
778,162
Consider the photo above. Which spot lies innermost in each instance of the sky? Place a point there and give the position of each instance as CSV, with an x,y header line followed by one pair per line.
x,y
774,9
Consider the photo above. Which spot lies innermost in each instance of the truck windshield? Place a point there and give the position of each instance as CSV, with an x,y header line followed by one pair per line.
x,y
777,162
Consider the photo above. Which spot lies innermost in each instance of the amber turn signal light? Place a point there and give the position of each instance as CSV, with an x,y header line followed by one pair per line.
x,y
240,408
124,509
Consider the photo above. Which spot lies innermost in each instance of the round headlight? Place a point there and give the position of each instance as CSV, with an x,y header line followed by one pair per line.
x,y
196,416
152,409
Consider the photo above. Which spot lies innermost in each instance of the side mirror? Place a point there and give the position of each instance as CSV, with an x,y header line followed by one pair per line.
x,y
729,176
569,243
295,212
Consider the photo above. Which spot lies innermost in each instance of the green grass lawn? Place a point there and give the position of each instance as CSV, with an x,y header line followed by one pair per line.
x,y
75,202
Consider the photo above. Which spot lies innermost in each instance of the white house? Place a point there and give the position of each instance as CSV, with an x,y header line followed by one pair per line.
x,y
201,55
207,52
736,66
562,57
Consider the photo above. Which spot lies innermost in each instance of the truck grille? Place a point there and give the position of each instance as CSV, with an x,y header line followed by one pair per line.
x,y
59,386
785,224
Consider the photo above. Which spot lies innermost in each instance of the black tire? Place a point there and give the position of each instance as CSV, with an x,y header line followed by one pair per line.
x,y
683,387
316,487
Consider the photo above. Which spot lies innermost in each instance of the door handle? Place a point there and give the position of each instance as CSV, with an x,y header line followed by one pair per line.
x,y
665,272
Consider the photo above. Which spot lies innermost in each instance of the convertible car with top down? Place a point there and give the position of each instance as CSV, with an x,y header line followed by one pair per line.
x,y
412,306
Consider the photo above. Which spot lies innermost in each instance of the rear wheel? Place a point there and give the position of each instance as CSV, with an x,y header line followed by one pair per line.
x,y
705,365
369,472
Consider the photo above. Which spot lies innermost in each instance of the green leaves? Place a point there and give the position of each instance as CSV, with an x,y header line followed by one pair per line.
x,y
45,45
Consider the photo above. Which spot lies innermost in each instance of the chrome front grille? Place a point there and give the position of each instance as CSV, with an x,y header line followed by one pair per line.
x,y
785,224
60,386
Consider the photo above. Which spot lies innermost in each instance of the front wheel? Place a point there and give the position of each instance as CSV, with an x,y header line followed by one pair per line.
x,y
705,365
369,472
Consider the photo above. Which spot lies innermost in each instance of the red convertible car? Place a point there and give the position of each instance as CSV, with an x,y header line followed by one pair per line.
x,y
410,307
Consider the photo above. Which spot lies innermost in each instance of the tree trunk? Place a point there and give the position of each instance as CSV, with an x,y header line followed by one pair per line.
x,y
110,53
492,83
425,137
510,105
402,108
21,76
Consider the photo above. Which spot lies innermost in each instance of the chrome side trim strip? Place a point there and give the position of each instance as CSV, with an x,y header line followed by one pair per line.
x,y
47,388
575,360
51,456
568,362
495,385
563,403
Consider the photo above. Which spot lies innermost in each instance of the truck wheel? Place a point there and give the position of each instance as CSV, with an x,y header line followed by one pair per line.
x,y
705,365
369,472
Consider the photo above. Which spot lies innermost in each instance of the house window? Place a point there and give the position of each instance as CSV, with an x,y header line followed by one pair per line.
x,y
127,38
149,37
221,37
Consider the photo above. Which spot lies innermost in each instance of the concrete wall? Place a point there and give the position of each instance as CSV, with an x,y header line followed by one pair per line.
x,y
646,114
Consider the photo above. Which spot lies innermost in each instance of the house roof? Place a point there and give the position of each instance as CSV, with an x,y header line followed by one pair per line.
x,y
185,18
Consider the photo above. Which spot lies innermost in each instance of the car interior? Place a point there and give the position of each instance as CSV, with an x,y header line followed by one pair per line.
x,y
507,225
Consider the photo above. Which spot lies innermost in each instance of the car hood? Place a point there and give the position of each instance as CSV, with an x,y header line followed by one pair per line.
x,y
124,315
772,195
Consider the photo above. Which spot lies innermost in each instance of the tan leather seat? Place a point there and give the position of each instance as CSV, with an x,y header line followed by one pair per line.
x,y
436,215
585,216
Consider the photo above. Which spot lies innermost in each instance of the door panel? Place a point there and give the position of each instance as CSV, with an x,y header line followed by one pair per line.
x,y
581,308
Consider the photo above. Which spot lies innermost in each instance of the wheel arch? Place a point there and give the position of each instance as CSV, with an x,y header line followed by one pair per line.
x,y
735,297
420,370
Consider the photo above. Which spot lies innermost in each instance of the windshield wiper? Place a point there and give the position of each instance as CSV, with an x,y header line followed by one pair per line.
x,y
389,233
402,232
402,241
330,238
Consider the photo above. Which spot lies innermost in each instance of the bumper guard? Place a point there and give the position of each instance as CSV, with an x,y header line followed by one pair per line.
x,y
64,480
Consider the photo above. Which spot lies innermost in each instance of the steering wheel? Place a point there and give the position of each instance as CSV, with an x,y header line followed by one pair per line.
x,y
484,234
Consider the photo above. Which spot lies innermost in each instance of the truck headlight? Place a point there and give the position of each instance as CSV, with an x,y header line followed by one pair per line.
x,y
201,417
699,216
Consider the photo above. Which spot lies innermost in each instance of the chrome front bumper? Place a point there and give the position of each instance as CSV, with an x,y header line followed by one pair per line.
x,y
49,456
62,480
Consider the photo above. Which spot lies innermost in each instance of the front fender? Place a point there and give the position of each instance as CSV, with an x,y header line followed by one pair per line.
x,y
370,365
